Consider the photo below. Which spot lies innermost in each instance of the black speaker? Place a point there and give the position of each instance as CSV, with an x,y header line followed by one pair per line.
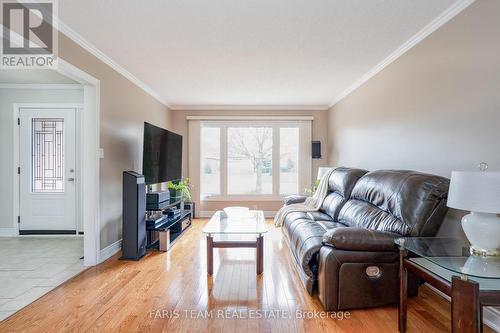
x,y
316,149
190,206
134,216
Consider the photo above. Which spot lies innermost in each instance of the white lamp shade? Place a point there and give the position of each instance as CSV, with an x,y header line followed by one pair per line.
x,y
475,191
323,170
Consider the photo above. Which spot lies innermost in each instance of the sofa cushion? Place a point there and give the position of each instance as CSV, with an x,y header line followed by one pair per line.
x,y
294,219
291,222
332,204
340,185
330,224
361,214
398,201
319,216
295,216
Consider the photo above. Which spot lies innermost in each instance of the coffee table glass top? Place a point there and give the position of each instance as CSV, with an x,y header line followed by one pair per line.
x,y
247,222
452,254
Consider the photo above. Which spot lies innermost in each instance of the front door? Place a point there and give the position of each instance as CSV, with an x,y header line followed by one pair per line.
x,y
47,144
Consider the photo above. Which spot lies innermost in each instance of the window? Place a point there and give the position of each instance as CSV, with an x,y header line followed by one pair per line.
x,y
250,158
289,160
210,161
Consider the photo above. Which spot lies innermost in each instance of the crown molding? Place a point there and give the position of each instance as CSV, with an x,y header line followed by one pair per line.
x,y
435,24
91,48
188,107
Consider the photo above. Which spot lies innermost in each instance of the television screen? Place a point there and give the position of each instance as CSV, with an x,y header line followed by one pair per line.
x,y
162,155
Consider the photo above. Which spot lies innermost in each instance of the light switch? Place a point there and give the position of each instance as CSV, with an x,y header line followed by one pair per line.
x,y
101,153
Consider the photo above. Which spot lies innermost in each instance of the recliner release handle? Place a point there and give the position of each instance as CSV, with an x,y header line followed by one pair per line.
x,y
373,272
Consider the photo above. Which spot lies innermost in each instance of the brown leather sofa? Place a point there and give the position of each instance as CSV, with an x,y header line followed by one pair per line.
x,y
345,252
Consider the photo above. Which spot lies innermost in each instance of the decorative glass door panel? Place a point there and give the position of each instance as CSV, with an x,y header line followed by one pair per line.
x,y
47,155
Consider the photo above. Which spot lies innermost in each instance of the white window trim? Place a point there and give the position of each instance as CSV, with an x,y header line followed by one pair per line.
x,y
305,155
253,118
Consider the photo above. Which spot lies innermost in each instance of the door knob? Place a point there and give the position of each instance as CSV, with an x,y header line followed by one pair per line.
x,y
71,179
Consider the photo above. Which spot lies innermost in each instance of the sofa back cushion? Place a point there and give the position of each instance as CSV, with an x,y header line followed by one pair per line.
x,y
405,202
340,185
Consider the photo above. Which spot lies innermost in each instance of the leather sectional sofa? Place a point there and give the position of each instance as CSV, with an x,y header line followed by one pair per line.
x,y
345,252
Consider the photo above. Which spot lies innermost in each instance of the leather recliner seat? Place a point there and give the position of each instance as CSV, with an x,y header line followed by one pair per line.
x,y
345,252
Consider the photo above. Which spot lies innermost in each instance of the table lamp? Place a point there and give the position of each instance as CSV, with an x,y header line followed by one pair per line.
x,y
479,193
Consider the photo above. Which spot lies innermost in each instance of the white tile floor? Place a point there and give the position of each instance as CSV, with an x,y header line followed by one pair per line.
x,y
32,266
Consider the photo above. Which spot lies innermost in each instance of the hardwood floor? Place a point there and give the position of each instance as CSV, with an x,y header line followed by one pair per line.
x,y
166,291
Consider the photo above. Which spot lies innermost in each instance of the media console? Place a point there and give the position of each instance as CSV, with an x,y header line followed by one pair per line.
x,y
166,222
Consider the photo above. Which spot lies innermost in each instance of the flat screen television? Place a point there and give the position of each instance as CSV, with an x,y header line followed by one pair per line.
x,y
162,155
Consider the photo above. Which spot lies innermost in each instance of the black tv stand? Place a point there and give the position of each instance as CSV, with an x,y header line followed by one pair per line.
x,y
163,230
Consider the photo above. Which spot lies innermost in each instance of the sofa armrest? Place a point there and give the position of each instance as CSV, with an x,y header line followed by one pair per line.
x,y
293,199
360,239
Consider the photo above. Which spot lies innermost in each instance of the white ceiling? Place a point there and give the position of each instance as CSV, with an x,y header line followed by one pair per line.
x,y
259,52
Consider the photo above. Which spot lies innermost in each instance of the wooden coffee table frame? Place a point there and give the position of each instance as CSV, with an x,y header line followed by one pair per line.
x,y
467,299
258,244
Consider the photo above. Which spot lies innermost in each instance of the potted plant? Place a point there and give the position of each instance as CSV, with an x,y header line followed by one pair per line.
x,y
309,191
180,189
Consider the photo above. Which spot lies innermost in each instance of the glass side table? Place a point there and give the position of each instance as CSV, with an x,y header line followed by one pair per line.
x,y
447,265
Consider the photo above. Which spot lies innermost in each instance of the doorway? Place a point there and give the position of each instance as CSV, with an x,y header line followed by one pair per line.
x,y
47,171
87,158
53,150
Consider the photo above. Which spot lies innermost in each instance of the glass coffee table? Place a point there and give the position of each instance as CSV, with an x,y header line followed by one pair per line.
x,y
239,230
448,265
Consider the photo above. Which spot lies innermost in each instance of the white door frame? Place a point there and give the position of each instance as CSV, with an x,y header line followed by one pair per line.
x,y
88,130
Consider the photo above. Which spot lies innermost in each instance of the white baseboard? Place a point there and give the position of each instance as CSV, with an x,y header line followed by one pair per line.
x,y
209,213
8,232
206,213
491,315
109,251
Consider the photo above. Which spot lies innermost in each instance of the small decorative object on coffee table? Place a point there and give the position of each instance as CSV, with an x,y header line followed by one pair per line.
x,y
238,229
448,265
236,211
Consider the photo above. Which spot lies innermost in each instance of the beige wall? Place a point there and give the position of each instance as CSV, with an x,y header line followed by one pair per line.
x,y
319,132
435,109
124,108
9,97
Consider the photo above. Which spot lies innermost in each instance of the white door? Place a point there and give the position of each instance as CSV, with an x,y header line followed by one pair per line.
x,y
47,143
